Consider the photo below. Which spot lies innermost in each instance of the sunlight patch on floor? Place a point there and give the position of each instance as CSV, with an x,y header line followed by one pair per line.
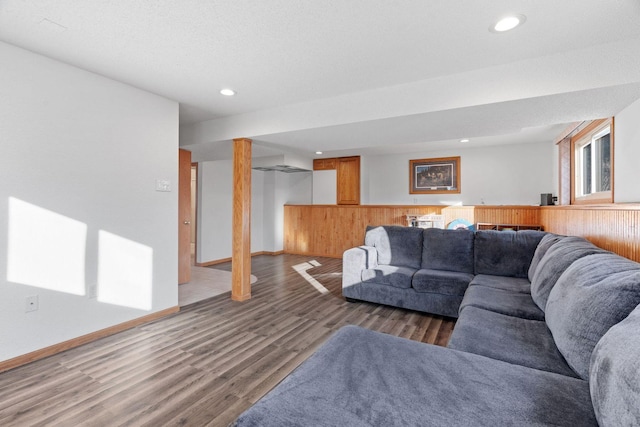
x,y
302,268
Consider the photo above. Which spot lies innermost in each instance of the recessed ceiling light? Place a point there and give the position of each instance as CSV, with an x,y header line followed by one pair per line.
x,y
318,152
228,92
464,140
508,23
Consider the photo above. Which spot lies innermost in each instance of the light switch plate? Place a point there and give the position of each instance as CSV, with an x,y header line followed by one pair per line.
x,y
163,185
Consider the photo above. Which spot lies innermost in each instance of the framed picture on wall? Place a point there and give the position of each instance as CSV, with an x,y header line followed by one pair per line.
x,y
434,176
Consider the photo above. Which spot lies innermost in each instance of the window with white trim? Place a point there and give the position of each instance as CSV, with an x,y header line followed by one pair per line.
x,y
593,163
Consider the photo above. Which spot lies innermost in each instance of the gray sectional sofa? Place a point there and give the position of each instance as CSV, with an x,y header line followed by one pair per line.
x,y
430,270
552,341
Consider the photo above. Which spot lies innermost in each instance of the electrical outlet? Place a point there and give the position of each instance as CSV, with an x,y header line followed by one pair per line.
x,y
31,303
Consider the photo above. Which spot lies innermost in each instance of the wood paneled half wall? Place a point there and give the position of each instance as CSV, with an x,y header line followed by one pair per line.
x,y
329,230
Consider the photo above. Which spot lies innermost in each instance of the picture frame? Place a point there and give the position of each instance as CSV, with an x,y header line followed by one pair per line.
x,y
439,175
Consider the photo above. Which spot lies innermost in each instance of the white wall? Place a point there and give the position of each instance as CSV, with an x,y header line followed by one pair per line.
x,y
78,206
270,191
215,201
257,208
299,188
498,175
324,187
627,154
281,189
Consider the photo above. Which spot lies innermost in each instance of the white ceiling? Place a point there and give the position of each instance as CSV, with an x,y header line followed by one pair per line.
x,y
350,76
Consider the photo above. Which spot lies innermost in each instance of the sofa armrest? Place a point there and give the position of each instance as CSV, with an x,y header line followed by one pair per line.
x,y
355,260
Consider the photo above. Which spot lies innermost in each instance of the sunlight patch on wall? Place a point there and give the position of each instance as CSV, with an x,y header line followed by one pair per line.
x,y
45,249
125,272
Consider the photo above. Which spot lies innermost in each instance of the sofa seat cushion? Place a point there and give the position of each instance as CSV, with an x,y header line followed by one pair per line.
x,y
505,253
592,295
396,245
510,303
554,262
450,250
443,305
396,276
511,339
441,282
512,284
363,378
614,374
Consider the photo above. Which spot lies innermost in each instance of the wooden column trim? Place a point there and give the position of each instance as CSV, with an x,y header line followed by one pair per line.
x,y
241,255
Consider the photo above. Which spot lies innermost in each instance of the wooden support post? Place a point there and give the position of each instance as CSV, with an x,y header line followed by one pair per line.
x,y
241,257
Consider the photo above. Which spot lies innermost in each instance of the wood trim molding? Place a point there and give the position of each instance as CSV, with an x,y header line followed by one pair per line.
x,y
272,253
438,207
223,260
564,171
84,339
570,130
195,165
598,207
213,262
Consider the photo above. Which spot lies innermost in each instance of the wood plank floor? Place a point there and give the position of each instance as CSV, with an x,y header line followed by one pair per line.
x,y
208,363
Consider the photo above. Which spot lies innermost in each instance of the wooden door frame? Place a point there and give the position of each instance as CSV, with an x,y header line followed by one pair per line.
x,y
184,217
194,215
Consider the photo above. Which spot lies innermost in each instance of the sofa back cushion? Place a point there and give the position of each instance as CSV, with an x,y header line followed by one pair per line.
x,y
592,295
505,253
396,245
450,250
545,244
614,374
554,262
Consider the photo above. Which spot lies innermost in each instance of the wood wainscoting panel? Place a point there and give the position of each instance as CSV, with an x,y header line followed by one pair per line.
x,y
612,227
452,213
329,230
522,215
